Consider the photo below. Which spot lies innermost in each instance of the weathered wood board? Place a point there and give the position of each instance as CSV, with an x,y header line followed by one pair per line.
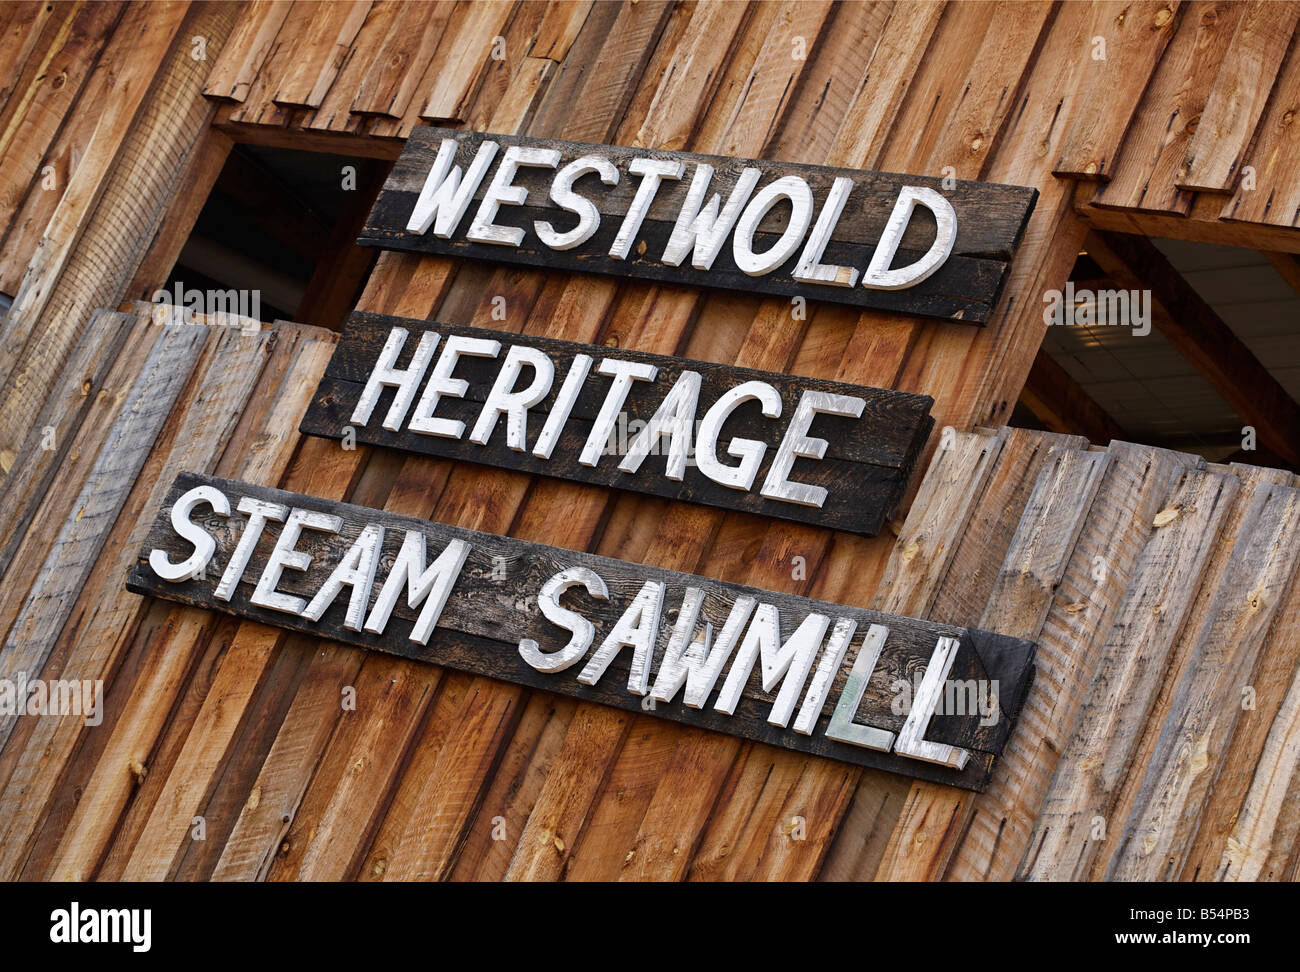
x,y
703,220
482,613
864,471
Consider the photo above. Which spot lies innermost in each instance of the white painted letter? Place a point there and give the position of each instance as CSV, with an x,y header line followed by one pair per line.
x,y
742,245
810,269
790,662
700,226
797,444
205,545
259,511
356,570
651,172
441,383
501,190
694,663
624,373
674,417
565,399
637,629
548,602
431,586
284,555
405,380
562,194
878,275
911,738
842,727
444,194
503,400
748,451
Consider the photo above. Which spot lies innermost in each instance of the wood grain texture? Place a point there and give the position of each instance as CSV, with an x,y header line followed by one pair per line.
x,y
1242,87
247,727
1151,173
242,59
1270,196
1127,675
1206,706
1083,606
96,236
1123,48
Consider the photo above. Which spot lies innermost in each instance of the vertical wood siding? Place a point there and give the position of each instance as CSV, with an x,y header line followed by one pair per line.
x,y
439,774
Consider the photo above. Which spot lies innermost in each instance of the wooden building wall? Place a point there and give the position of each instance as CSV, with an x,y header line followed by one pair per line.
x,y
1158,587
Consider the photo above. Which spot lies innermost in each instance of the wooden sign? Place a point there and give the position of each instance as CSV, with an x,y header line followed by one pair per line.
x,y
802,449
913,244
930,700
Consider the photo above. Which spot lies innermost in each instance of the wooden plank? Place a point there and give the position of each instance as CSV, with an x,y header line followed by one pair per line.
x,y
277,786
1170,118
1202,224
1127,675
1132,38
26,369
52,35
320,52
1060,403
893,63
242,58
771,81
81,537
1027,521
502,74
202,173
1288,267
472,622
1272,193
691,79
206,746
561,24
1251,479
262,442
919,561
1114,533
1264,827
605,64
1245,765
1207,705
991,219
874,455
392,80
36,114
1202,337
257,107
54,430
218,398
970,107
458,79
826,89
23,30
357,60
1243,84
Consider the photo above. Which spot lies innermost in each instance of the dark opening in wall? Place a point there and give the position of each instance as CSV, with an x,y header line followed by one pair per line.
x,y
280,228
1213,368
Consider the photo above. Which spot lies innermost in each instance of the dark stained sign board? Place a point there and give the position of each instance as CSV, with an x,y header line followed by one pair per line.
x,y
929,700
909,244
803,449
